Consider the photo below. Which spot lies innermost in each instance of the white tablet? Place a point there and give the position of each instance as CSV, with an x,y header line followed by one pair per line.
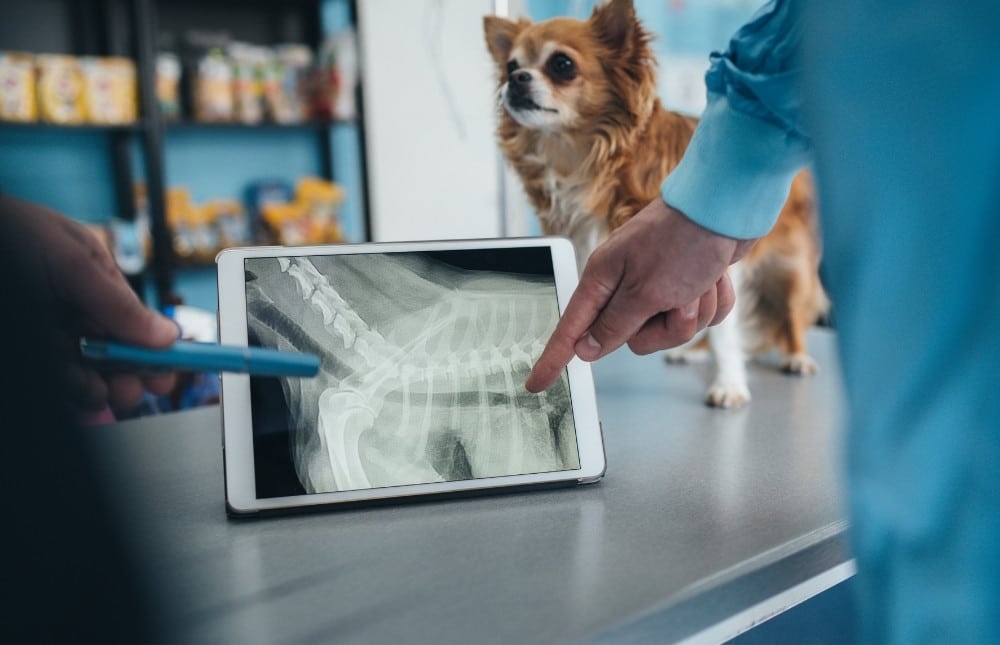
x,y
425,348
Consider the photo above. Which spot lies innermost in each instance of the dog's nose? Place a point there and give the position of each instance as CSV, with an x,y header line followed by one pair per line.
x,y
520,79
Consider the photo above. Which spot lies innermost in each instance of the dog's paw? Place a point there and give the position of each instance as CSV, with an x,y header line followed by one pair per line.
x,y
799,365
727,395
684,356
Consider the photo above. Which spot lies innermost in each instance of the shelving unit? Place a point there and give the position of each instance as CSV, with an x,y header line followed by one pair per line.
x,y
133,28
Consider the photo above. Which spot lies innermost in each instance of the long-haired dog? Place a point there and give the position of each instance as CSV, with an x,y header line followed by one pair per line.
x,y
581,124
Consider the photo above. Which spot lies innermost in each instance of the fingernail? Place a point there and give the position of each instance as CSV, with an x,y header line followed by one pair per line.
x,y
589,346
175,327
690,311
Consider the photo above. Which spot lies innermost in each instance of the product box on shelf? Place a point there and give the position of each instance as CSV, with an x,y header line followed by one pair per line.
x,y
168,85
60,89
109,90
311,218
17,87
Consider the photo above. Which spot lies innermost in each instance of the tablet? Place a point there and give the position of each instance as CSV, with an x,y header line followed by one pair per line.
x,y
424,350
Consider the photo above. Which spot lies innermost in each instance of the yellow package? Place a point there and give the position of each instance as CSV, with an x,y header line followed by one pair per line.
x,y
109,90
321,200
181,213
60,89
17,87
288,223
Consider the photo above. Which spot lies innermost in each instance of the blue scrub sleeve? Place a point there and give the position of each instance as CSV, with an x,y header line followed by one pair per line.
x,y
750,142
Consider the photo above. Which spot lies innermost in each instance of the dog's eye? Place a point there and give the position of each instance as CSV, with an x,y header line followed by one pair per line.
x,y
511,67
562,67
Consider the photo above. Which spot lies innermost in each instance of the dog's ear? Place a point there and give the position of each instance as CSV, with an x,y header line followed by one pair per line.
x,y
500,35
615,23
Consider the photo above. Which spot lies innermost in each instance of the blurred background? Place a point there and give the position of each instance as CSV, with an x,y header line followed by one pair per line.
x,y
217,122
176,128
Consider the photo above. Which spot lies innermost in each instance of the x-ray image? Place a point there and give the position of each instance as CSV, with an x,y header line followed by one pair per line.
x,y
424,357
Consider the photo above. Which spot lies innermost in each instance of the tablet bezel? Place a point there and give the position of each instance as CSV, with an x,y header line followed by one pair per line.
x,y
237,428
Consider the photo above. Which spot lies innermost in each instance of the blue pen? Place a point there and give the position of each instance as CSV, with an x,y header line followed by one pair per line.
x,y
200,357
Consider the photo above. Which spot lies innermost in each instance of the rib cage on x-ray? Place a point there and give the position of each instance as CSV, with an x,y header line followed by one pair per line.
x,y
423,366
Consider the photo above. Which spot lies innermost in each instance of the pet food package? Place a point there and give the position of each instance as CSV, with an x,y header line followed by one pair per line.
x,y
336,78
17,87
287,85
322,200
248,64
60,89
109,90
260,194
196,239
213,88
231,221
168,85
311,218
201,231
287,223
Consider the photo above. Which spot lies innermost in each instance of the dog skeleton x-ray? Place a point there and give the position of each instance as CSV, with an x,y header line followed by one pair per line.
x,y
423,366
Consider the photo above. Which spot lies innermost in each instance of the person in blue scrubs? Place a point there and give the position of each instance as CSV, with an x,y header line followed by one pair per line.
x,y
897,107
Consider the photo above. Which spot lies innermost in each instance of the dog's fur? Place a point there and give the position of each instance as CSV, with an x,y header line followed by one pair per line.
x,y
582,126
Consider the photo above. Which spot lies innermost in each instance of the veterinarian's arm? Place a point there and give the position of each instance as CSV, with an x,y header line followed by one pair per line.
x,y
661,276
82,283
736,173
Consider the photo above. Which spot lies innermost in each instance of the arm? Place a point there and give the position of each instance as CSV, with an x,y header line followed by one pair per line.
x,y
662,275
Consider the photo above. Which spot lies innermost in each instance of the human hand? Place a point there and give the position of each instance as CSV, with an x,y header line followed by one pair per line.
x,y
79,280
655,282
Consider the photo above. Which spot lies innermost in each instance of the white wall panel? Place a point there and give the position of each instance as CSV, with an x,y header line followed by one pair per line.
x,y
430,118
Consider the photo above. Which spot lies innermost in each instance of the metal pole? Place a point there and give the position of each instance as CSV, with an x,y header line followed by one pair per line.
x,y
144,22
502,8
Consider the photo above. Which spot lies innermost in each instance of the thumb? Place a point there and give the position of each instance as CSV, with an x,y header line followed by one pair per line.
x,y
124,317
106,300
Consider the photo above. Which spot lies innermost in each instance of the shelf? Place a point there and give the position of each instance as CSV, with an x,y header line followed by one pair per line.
x,y
221,125
80,127
172,125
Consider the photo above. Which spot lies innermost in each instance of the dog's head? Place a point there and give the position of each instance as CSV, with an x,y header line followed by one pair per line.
x,y
565,74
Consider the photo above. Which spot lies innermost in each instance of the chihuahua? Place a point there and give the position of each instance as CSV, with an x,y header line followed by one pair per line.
x,y
581,124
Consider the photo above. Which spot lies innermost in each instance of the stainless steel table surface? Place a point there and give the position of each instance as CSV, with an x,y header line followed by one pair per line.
x,y
707,522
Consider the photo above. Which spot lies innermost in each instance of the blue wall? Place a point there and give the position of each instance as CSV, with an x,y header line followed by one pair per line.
x,y
69,171
681,26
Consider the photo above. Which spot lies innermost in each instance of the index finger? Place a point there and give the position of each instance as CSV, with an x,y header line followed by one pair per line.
x,y
584,305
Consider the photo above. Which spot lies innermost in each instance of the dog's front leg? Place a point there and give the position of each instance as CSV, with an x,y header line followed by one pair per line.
x,y
729,388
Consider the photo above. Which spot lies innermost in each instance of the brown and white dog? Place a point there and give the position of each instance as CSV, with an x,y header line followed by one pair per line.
x,y
581,124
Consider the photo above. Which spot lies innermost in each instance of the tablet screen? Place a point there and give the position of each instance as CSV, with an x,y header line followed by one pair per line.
x,y
424,357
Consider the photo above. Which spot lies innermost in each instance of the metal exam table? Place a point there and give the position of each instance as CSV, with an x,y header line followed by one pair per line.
x,y
708,522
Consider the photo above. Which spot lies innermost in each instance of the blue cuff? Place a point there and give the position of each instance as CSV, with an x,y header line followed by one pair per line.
x,y
736,173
